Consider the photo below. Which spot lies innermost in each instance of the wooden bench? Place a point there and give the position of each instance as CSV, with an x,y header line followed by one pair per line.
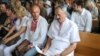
x,y
89,45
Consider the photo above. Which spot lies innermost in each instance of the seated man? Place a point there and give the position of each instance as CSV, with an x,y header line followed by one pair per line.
x,y
63,36
36,31
81,17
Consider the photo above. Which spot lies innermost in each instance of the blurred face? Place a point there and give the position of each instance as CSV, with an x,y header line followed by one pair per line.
x,y
76,7
90,6
40,3
3,7
35,12
18,15
28,6
18,4
59,15
8,12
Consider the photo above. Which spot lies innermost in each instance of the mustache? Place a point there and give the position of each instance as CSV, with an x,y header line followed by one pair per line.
x,y
57,18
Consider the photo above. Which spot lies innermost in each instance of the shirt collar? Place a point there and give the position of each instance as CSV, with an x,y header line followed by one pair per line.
x,y
37,20
83,11
66,20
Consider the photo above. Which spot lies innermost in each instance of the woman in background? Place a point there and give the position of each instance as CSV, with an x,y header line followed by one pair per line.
x,y
20,26
92,8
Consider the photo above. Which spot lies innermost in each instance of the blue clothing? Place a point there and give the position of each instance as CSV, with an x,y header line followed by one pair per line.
x,y
31,52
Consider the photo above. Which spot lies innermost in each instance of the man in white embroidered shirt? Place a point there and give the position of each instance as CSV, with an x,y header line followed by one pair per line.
x,y
63,36
81,17
36,31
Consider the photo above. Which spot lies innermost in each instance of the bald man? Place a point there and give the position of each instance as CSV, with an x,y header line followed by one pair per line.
x,y
36,31
63,36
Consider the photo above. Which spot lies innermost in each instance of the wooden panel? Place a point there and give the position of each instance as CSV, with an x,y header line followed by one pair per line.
x,y
89,45
77,54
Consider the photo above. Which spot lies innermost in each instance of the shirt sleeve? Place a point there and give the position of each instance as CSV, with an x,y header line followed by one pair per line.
x,y
88,23
24,22
74,37
50,31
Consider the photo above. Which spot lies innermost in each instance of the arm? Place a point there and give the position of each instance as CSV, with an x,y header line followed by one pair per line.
x,y
6,23
22,29
88,23
47,45
49,39
69,49
7,29
74,39
10,32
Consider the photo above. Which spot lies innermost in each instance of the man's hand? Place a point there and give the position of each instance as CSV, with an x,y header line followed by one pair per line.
x,y
4,38
44,50
30,46
63,54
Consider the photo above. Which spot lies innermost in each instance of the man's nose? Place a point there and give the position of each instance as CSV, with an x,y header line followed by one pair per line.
x,y
57,16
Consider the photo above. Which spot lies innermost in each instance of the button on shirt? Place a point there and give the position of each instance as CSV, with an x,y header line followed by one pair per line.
x,y
83,20
62,36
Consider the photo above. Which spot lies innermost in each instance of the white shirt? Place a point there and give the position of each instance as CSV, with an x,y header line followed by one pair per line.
x,y
37,38
20,24
62,37
83,20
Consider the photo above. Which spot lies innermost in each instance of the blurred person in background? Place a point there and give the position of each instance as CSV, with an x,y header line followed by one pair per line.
x,y
93,9
81,16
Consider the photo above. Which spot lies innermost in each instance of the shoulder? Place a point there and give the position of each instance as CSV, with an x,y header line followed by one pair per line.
x,y
54,22
42,19
72,24
25,18
87,12
74,13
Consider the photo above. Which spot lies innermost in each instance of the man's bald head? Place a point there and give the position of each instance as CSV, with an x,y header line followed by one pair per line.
x,y
35,7
35,10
